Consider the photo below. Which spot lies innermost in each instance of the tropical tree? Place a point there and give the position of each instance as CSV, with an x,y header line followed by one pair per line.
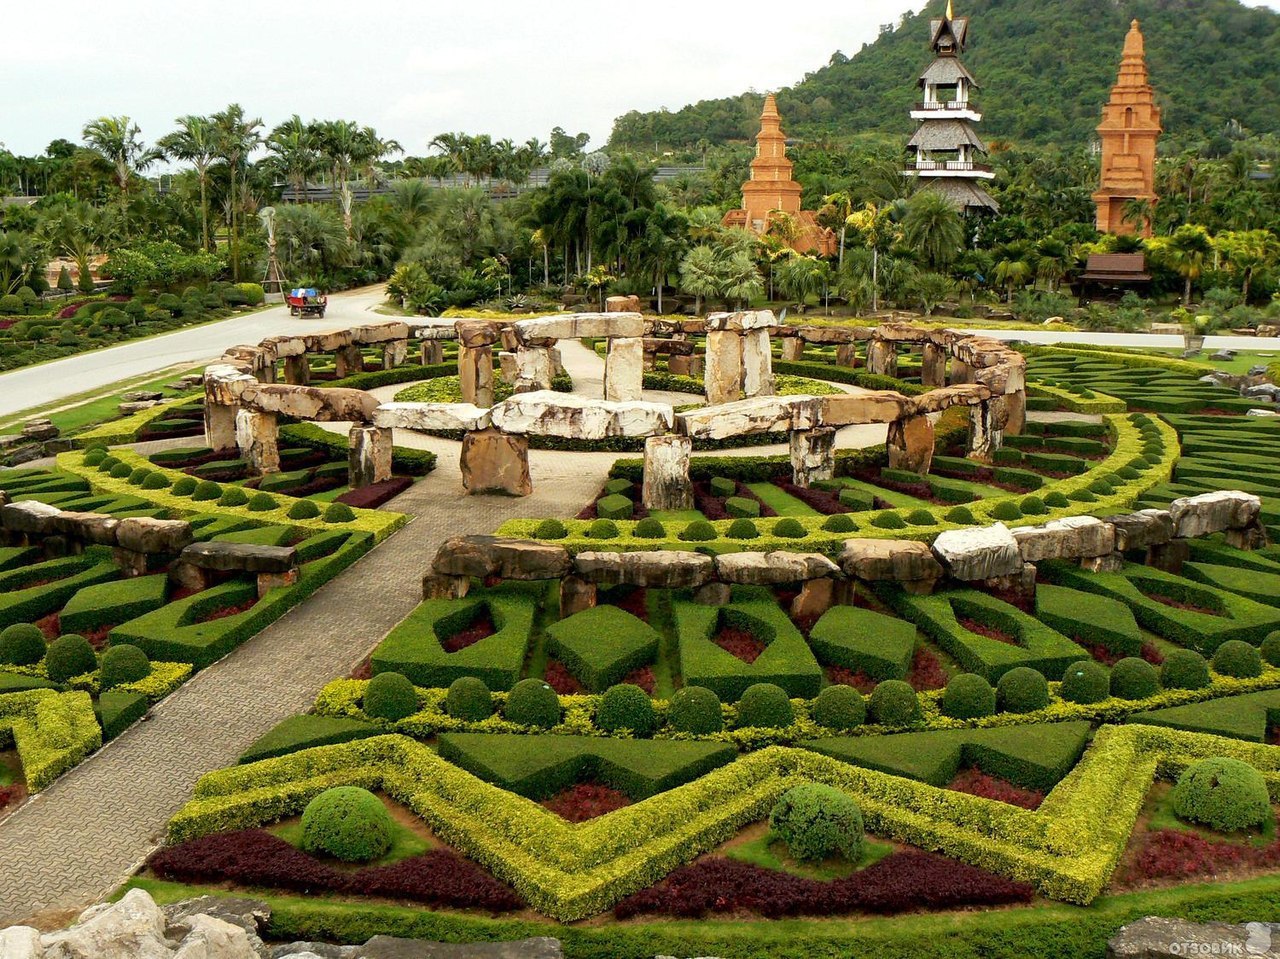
x,y
15,257
1246,252
119,141
1141,212
292,146
1053,259
196,141
801,277
236,137
933,228
838,208
349,150
1187,251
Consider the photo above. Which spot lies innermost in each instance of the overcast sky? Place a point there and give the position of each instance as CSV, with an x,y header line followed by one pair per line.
x,y
412,70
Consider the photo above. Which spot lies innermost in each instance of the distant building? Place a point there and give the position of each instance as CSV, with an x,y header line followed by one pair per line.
x,y
949,154
1129,130
771,191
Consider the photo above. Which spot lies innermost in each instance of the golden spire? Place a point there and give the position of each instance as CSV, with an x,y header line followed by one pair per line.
x,y
1134,45
951,13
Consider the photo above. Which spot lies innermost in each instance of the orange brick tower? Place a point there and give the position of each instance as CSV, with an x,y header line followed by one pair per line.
x,y
1129,130
771,190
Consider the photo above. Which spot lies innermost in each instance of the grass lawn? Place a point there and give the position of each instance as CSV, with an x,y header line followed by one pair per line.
x,y
894,499
1241,365
676,517
9,768
784,504
770,852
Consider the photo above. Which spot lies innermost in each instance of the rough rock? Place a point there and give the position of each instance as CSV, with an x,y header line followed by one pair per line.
x,y
933,368
722,379
240,557
622,304
132,928
142,396
496,462
142,534
1262,413
1076,537
741,322
474,334
959,394
834,335
576,596
911,443
251,915
980,553
1142,530
380,332
624,370
1217,512
433,330
385,947
334,405
210,938
771,569
577,417
258,439
763,414
661,569
533,372
871,406
1157,938
882,357
576,326
813,455
318,950
29,517
370,454
475,372
20,942
667,485
97,528
987,421
881,560
429,417
757,364
483,556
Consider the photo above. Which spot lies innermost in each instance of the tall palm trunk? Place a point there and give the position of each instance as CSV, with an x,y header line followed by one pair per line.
x,y
204,209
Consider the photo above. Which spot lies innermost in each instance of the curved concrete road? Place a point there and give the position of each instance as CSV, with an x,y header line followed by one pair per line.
x,y
46,383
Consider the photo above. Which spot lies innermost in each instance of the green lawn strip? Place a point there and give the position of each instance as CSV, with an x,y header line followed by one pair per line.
x,y
97,406
781,502
666,669
676,519
892,497
770,852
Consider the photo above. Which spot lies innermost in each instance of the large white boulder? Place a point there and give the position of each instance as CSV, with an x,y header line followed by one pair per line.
x,y
980,553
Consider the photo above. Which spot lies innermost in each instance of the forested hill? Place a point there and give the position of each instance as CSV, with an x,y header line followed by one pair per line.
x,y
1045,69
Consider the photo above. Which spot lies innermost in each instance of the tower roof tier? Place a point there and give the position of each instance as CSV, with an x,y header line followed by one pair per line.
x,y
946,135
947,72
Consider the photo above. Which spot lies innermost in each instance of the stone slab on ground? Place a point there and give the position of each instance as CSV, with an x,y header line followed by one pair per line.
x,y
1156,938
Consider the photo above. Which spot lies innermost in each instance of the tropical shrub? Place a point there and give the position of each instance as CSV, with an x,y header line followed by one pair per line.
x,y
766,706
532,702
1224,794
1184,669
817,821
1022,690
1134,678
1085,682
839,708
1237,659
894,703
347,823
968,696
22,644
69,656
626,707
123,664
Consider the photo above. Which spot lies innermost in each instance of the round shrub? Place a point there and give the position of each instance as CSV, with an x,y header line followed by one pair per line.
x,y
184,486
839,523
138,476
888,521
1056,500
1224,794
469,699
1006,511
123,664
840,708
649,528
603,529
695,710
206,490
108,463
69,656
1184,669
303,509
626,707
766,706
968,696
743,529
1101,487
390,696
894,703
1134,678
339,513
789,528
155,481
95,456
261,503
121,471
532,702
921,517
1237,659
961,516
233,496
347,823
699,531
1022,690
551,529
817,821
1085,682
1082,496
1270,650
1033,506
22,644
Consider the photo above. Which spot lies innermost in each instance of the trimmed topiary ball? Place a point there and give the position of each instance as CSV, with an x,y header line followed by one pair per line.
x,y
206,491
1006,512
1082,496
185,486
1085,682
888,521
626,707
894,703
347,823
94,456
1134,678
108,463
137,477
1033,506
1237,659
602,529
789,528
339,513
390,696
839,523
261,503
1271,649
839,708
551,529
699,531
1184,669
532,702
649,528
743,529
304,509
921,517
233,496
961,516
68,657
817,821
1224,794
123,664
121,471
155,481
766,706
22,644
469,699
1056,500
695,710
1022,690
968,696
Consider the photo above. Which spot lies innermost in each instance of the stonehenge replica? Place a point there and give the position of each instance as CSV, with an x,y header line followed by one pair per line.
x,y
243,399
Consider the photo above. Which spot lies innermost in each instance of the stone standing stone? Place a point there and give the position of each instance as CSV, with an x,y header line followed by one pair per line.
x,y
882,358
475,368
624,370
692,366
667,485
724,367
348,360
1015,405
496,462
986,428
576,596
258,438
911,442
847,355
961,372
369,455
757,364
432,352
793,349
297,370
219,426
533,369
394,354
813,455
933,369
980,553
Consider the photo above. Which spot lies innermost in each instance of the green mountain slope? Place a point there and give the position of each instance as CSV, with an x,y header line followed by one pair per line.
x,y
1045,66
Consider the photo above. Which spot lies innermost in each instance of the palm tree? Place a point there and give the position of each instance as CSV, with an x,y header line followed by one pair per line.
x,y
236,137
119,141
15,256
1187,251
1141,213
700,275
195,140
840,205
1053,258
803,276
293,147
933,228
350,149
1247,252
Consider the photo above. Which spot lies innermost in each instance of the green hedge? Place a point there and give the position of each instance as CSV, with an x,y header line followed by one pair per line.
x,y
51,731
404,460
863,640
1089,618
109,604
56,582
602,646
306,732
1241,717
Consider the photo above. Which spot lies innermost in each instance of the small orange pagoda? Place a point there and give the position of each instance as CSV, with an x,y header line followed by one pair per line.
x,y
772,191
1129,130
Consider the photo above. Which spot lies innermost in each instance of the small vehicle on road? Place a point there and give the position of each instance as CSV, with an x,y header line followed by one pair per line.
x,y
306,301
